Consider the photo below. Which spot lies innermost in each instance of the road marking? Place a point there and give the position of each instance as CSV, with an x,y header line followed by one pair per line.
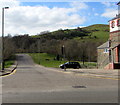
x,y
10,73
96,76
68,72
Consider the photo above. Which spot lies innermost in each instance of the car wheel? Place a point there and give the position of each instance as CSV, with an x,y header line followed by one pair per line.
x,y
77,67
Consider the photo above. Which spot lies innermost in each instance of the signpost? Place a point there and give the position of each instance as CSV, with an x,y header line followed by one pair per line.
x,y
63,53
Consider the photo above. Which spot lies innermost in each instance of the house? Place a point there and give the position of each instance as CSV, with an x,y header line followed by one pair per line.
x,y
109,52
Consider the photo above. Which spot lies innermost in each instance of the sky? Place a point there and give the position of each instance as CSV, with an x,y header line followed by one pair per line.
x,y
34,17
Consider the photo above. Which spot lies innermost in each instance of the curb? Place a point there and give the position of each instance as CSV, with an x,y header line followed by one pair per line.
x,y
4,74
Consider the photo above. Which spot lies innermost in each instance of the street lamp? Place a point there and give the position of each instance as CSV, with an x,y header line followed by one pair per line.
x,y
2,44
63,53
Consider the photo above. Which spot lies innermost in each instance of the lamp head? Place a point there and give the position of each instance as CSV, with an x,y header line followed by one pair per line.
x,y
6,7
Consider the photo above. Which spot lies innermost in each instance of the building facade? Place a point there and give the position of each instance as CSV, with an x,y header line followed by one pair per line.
x,y
109,52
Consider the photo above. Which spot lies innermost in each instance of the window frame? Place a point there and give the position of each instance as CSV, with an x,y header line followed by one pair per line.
x,y
106,50
113,24
118,22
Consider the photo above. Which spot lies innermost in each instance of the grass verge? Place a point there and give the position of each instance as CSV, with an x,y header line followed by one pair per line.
x,y
48,60
45,59
9,62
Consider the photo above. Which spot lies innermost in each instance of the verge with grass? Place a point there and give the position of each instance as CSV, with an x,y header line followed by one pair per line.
x,y
9,62
48,60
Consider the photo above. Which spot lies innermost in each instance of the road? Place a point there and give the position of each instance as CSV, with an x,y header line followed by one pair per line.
x,y
33,83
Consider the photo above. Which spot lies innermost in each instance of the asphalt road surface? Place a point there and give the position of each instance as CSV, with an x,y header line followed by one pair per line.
x,y
32,83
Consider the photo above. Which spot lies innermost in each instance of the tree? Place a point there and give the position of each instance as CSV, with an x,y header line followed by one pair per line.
x,y
71,50
9,47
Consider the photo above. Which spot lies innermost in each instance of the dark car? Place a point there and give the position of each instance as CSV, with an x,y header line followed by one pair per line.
x,y
74,65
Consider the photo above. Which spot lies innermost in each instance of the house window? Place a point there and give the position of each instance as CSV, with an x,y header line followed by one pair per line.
x,y
106,50
113,24
118,22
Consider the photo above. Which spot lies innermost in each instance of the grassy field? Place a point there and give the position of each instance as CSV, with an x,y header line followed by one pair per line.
x,y
47,60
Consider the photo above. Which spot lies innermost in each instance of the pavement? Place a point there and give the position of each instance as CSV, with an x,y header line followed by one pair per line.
x,y
32,83
99,73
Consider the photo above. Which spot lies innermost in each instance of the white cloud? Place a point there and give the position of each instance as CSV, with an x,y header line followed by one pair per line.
x,y
79,5
33,20
96,14
93,9
110,10
110,13
9,3
108,4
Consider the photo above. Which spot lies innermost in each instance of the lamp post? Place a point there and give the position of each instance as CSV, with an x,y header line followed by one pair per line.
x,y
2,44
63,53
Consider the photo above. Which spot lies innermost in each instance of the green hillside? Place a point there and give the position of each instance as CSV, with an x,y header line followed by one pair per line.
x,y
97,32
79,43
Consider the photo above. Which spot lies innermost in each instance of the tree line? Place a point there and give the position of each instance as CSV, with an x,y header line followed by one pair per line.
x,y
47,42
8,47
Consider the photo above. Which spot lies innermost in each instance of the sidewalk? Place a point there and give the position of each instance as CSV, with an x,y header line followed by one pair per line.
x,y
9,70
97,73
114,74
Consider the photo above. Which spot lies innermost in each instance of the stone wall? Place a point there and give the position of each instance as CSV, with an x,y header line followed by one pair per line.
x,y
115,38
103,58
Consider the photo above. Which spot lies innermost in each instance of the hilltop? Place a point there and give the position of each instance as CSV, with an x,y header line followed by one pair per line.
x,y
97,32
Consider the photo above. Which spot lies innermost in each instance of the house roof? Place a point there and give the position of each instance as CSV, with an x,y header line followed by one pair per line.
x,y
118,3
104,45
114,46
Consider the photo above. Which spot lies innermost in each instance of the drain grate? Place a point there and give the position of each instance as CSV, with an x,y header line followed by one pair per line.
x,y
79,86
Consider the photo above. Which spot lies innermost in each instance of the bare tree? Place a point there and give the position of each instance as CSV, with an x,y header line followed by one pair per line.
x,y
9,48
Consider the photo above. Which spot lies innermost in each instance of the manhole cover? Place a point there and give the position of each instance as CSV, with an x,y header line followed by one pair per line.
x,y
79,86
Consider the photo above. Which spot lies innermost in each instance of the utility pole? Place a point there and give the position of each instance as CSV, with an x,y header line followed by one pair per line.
x,y
63,53
2,43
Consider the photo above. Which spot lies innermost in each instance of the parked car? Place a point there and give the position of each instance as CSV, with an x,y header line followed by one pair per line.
x,y
74,65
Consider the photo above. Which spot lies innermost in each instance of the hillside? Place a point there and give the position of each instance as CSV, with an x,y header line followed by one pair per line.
x,y
84,41
97,32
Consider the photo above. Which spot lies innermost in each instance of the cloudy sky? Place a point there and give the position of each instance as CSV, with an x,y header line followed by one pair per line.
x,y
34,17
